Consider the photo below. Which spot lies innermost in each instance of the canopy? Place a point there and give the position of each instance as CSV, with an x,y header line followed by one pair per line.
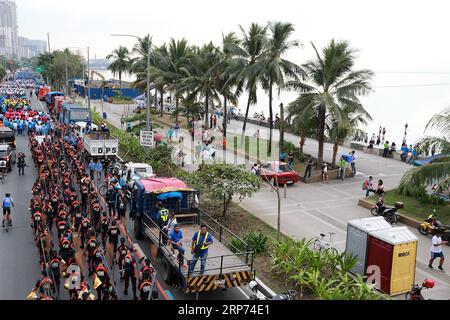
x,y
164,185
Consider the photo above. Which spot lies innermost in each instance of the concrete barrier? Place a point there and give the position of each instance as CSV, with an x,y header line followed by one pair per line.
x,y
402,218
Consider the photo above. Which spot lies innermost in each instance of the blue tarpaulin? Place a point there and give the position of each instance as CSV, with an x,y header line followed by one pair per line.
x,y
170,195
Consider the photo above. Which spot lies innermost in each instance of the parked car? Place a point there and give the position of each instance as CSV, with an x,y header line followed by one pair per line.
x,y
9,155
276,169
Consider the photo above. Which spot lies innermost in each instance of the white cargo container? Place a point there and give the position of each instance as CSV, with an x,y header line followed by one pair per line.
x,y
100,144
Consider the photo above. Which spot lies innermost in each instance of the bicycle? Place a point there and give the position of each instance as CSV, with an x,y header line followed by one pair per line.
x,y
320,244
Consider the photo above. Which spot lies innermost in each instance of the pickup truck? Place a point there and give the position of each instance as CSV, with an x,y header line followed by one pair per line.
x,y
133,172
101,144
226,266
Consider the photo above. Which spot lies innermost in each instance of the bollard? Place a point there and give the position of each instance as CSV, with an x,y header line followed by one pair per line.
x,y
285,190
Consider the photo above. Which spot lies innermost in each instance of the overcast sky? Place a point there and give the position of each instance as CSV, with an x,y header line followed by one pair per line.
x,y
391,36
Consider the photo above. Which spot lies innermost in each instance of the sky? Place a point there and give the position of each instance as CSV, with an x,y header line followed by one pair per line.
x,y
403,42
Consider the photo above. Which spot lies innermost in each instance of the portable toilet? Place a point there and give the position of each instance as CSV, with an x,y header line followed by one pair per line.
x,y
393,252
357,239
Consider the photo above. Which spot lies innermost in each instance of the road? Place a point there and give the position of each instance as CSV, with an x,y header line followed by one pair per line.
x,y
311,209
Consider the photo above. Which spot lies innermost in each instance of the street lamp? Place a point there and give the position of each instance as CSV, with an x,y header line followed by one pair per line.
x,y
148,126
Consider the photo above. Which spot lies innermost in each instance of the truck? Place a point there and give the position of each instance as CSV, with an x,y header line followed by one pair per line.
x,y
72,112
43,90
101,144
50,98
230,261
132,172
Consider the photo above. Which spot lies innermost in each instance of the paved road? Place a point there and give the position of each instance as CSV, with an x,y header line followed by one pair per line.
x,y
19,268
311,209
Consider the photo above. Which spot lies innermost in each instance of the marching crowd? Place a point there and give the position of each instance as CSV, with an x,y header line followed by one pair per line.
x,y
66,198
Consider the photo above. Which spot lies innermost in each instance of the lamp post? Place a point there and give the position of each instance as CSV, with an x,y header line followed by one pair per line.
x,y
148,125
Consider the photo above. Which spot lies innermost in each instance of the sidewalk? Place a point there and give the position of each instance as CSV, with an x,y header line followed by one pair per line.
x,y
311,209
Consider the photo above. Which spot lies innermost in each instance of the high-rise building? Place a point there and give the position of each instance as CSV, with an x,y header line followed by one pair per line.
x,y
8,29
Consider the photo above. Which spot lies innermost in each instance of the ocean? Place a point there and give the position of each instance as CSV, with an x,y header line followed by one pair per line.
x,y
397,99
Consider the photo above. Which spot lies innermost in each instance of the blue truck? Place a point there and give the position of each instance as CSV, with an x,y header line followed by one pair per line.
x,y
49,98
230,260
72,113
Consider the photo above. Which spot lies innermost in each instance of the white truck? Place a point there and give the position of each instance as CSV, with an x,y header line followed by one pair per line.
x,y
133,172
101,144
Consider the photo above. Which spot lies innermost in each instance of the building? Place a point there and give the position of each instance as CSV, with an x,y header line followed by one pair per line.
x,y
9,45
30,48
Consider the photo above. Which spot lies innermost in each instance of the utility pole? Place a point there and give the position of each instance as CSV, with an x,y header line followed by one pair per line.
x,y
89,87
48,42
67,78
282,127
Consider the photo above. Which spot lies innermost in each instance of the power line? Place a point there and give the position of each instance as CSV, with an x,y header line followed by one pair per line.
x,y
412,72
414,85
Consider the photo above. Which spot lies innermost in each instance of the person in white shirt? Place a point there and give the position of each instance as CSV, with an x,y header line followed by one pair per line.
x,y
436,251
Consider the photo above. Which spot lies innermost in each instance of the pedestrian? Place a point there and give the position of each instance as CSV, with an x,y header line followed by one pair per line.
x,y
177,130
291,159
378,141
198,150
342,164
433,151
353,162
385,149
383,134
122,209
162,219
176,240
436,250
309,165
392,149
283,156
99,169
111,200
130,272
201,240
325,172
92,169
170,134
368,186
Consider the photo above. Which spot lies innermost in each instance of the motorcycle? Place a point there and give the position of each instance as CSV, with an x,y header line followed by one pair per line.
x,y
431,226
290,295
416,291
390,214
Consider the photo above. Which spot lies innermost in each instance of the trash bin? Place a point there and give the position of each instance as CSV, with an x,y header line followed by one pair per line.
x,y
357,239
394,252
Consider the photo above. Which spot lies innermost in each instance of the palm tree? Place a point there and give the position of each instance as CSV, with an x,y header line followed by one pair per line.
x,y
303,122
121,63
227,76
247,53
344,125
138,64
331,85
159,71
415,180
200,80
178,55
274,68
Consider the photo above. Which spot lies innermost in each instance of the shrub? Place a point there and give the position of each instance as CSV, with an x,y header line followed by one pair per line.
x,y
257,242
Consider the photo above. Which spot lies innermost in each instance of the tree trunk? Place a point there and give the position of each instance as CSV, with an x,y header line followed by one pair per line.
x,y
176,108
281,127
226,203
302,143
206,112
156,100
161,92
335,151
321,135
225,115
246,115
269,147
120,82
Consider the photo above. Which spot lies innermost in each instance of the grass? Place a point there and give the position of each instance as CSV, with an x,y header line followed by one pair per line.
x,y
414,208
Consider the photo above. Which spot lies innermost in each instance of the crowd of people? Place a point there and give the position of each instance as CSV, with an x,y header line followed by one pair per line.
x,y
65,198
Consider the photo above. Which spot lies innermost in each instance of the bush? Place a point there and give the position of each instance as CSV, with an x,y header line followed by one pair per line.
x,y
257,242
300,156
324,272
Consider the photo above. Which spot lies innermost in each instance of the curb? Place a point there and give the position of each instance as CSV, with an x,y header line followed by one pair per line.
x,y
402,218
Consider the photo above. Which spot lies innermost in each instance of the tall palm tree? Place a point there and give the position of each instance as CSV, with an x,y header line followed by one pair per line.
x,y
274,68
227,76
138,64
200,80
178,55
247,53
121,62
303,122
331,84
415,180
159,71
